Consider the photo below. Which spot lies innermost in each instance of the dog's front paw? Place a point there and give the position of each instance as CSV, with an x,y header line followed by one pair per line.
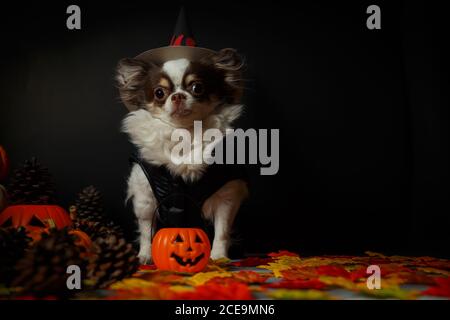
x,y
218,251
145,257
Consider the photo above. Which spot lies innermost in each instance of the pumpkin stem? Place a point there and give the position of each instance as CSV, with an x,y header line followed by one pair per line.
x,y
73,213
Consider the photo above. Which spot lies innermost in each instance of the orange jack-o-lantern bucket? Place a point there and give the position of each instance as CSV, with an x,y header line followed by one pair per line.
x,y
36,219
181,249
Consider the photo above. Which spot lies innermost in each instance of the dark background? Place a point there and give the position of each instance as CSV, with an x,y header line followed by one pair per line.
x,y
363,114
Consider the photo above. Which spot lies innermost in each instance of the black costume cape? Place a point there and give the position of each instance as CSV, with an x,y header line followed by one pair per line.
x,y
180,202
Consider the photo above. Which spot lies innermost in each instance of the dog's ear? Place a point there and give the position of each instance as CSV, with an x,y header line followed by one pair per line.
x,y
131,77
231,63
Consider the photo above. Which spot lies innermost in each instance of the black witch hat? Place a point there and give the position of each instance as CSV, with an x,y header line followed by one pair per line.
x,y
182,45
182,35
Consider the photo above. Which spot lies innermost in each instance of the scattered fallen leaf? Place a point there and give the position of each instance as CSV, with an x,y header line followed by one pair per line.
x,y
442,288
298,294
282,253
213,291
251,262
249,276
202,277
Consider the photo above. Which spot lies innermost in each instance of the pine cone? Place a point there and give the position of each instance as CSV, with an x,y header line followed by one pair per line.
x,y
31,184
95,229
13,243
43,269
89,205
114,260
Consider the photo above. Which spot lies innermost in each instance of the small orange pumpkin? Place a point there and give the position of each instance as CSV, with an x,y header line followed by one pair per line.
x,y
181,249
82,239
35,218
4,163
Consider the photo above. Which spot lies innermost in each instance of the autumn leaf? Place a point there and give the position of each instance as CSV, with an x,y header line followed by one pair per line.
x,y
152,292
180,288
251,262
299,273
434,271
442,288
164,277
276,268
298,294
281,263
392,292
202,277
358,273
333,271
131,283
222,262
339,282
417,278
282,253
250,276
214,291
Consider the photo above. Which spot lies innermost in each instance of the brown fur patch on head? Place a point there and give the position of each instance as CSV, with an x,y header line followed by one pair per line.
x,y
158,80
229,64
165,83
148,86
131,79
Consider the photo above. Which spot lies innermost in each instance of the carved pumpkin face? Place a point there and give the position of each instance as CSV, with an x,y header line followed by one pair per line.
x,y
181,249
35,218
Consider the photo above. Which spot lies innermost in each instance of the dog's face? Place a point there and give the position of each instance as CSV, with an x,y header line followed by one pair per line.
x,y
180,91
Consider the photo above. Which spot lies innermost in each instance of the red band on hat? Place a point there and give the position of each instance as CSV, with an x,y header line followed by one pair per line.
x,y
177,41
190,42
181,40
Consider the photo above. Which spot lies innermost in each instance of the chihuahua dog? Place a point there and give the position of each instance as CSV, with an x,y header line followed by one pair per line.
x,y
171,96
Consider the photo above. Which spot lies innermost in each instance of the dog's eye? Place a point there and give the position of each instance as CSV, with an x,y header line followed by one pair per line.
x,y
159,93
197,88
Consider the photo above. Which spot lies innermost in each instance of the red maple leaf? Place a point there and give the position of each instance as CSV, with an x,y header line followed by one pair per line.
x,y
282,253
442,289
213,291
250,276
333,271
358,273
251,262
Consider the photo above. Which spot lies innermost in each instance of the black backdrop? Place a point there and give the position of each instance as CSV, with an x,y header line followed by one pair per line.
x,y
363,114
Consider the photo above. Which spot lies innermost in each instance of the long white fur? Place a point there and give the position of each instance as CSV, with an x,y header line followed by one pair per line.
x,y
153,140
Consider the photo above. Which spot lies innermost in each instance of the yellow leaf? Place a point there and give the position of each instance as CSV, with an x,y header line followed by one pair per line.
x,y
201,277
434,271
393,291
131,283
338,282
178,288
288,260
276,268
298,294
281,263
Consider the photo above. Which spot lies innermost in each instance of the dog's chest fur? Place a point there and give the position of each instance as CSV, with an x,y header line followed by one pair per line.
x,y
152,137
